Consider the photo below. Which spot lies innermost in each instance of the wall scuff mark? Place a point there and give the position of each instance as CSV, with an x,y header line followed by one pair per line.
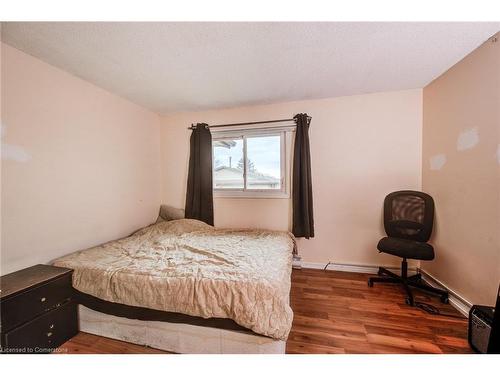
x,y
437,162
13,152
468,139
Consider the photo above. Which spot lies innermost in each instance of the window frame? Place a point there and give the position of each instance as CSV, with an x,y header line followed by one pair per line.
x,y
244,134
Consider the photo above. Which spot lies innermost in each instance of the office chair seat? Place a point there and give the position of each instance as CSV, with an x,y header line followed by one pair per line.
x,y
406,248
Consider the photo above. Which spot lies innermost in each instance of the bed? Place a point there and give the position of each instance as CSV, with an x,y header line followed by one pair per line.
x,y
181,284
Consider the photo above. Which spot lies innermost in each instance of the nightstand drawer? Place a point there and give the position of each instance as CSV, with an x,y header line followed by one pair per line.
x,y
46,332
25,306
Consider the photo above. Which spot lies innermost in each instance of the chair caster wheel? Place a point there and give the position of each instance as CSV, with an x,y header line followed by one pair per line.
x,y
444,299
409,301
370,283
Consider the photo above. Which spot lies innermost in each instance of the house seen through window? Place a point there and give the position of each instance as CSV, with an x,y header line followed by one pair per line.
x,y
249,163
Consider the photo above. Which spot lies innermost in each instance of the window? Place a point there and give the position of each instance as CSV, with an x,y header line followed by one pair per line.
x,y
250,164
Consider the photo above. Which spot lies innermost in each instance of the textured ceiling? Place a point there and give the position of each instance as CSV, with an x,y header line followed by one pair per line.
x,y
192,66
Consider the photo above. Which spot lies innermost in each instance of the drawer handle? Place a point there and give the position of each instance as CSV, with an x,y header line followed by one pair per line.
x,y
49,334
43,299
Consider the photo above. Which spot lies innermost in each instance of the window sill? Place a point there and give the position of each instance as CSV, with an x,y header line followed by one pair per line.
x,y
251,194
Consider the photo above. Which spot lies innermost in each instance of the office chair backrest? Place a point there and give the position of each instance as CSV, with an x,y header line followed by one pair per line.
x,y
409,215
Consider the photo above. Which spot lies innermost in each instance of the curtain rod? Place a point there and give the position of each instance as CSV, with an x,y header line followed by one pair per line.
x,y
193,126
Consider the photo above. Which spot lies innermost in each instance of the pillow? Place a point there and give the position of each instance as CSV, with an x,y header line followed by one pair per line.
x,y
182,226
168,213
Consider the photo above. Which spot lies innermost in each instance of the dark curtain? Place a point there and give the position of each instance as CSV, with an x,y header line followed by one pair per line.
x,y
199,194
302,199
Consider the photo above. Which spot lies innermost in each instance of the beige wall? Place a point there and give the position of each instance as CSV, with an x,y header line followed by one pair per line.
x,y
80,166
461,158
1,51
363,147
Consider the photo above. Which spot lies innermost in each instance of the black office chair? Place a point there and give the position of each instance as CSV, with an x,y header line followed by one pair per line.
x,y
408,220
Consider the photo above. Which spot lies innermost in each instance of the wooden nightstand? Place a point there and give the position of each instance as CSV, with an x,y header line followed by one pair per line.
x,y
37,310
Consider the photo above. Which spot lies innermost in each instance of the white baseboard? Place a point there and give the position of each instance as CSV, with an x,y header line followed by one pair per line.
x,y
358,268
456,300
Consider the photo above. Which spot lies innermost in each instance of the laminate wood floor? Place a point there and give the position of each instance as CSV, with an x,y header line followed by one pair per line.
x,y
336,312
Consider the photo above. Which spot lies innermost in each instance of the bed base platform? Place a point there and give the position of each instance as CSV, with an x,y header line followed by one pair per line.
x,y
177,337
144,313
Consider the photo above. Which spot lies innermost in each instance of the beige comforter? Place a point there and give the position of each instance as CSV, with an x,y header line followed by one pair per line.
x,y
189,267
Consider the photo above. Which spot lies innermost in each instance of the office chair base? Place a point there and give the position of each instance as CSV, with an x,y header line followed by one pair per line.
x,y
414,281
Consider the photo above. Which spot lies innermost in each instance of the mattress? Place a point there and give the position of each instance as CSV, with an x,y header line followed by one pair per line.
x,y
189,267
